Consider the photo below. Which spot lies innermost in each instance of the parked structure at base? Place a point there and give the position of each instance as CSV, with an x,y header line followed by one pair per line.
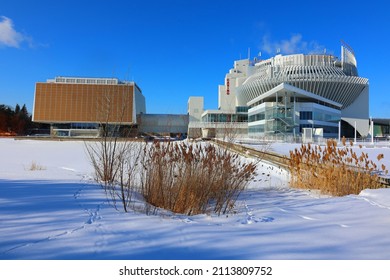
x,y
280,96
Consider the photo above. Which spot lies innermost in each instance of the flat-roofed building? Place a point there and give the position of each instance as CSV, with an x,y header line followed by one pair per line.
x,y
76,106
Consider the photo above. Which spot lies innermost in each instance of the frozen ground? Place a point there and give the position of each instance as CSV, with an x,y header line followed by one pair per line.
x,y
60,213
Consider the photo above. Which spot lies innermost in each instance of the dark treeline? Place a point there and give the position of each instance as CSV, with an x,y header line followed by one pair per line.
x,y
14,121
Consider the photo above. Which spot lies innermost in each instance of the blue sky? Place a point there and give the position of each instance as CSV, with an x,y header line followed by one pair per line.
x,y
175,49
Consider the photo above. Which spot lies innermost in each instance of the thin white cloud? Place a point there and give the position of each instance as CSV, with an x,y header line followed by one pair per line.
x,y
9,37
294,44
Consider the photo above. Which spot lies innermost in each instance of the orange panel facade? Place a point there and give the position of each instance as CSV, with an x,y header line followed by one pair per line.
x,y
83,103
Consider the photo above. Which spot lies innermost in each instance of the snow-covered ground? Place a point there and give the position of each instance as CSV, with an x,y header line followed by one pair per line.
x,y
60,213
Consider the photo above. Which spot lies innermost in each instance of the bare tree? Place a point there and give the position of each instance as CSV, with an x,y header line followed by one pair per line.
x,y
114,156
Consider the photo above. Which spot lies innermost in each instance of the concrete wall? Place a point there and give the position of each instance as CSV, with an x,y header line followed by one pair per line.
x,y
195,108
162,124
140,104
358,112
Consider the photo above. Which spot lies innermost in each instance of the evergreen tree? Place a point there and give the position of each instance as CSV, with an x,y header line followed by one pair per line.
x,y
6,114
24,111
17,109
14,121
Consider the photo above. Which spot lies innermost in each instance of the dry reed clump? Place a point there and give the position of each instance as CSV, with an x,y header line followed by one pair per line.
x,y
35,166
193,178
333,170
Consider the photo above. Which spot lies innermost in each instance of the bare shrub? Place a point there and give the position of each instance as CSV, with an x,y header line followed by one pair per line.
x,y
333,170
116,167
193,178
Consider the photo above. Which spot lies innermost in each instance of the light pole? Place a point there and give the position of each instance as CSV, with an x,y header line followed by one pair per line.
x,y
339,130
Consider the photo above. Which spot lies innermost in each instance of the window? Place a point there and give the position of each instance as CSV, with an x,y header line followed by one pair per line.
x,y
242,109
319,116
305,115
256,129
257,117
242,118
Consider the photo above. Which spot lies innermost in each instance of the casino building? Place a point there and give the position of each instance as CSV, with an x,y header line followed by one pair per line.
x,y
285,95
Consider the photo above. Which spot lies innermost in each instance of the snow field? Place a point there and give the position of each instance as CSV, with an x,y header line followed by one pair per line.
x,y
60,213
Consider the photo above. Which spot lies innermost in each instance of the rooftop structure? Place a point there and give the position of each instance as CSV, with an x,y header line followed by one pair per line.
x,y
323,75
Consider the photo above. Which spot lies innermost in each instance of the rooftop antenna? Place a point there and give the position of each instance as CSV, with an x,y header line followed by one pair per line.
x,y
277,50
249,53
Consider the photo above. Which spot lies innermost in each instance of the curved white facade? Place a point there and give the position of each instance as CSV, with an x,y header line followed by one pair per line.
x,y
323,78
323,75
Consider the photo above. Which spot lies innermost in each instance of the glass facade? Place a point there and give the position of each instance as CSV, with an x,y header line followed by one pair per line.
x,y
212,117
256,129
242,109
305,115
278,117
256,117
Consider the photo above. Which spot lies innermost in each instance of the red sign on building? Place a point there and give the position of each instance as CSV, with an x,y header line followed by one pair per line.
x,y
227,87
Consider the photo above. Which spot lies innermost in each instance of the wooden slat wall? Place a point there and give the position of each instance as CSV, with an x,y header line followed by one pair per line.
x,y
56,102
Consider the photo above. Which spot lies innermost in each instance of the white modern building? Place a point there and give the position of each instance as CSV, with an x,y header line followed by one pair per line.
x,y
231,117
286,94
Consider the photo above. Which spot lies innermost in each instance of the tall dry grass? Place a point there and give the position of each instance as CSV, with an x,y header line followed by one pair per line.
x,y
193,178
334,170
181,177
34,166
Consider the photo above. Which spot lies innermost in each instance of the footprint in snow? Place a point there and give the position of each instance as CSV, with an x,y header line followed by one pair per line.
x,y
188,221
252,219
267,219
